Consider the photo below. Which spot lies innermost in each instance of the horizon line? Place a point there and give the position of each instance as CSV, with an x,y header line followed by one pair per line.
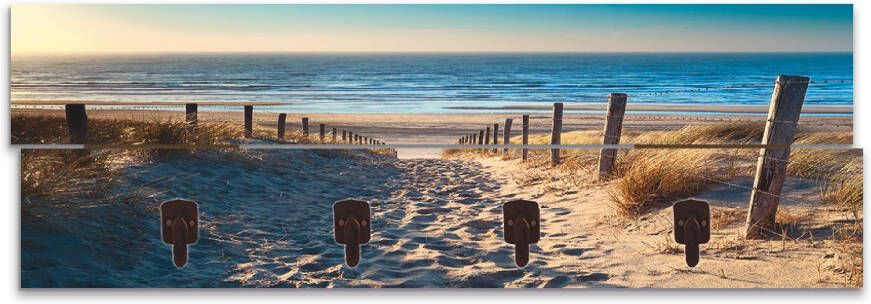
x,y
12,54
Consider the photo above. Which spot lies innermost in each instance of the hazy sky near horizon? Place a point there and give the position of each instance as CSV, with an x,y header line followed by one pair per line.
x,y
77,28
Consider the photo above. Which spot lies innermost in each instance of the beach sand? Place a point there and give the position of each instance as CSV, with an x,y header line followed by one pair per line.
x,y
446,128
266,222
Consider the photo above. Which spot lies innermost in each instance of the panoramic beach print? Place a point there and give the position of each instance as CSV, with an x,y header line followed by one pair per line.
x,y
446,146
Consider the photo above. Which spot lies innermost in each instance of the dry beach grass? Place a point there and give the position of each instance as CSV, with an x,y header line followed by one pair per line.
x,y
647,180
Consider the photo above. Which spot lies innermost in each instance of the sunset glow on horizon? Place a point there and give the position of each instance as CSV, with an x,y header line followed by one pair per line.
x,y
58,29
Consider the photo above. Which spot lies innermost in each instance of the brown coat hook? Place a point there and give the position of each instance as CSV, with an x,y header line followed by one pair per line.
x,y
352,222
692,226
522,224
179,225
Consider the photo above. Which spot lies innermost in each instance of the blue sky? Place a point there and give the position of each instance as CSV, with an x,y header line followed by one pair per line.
x,y
47,28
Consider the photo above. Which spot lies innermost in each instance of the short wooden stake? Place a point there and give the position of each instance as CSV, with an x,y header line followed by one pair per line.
x,y
282,123
77,123
323,131
783,115
506,137
334,135
344,136
305,127
495,136
613,129
190,114
249,121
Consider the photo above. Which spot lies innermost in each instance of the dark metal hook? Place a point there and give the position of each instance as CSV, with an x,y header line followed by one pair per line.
x,y
522,227
352,222
179,225
692,227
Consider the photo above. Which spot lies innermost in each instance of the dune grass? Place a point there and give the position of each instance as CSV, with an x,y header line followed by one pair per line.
x,y
77,177
646,177
29,129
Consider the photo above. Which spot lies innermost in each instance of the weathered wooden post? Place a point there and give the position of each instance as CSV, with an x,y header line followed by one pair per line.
x,y
305,127
77,123
282,122
190,115
334,135
344,136
495,136
249,121
613,129
506,137
783,115
474,139
487,136
556,132
525,136
323,131
480,137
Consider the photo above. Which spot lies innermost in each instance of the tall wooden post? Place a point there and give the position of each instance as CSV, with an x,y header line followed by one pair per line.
x,y
480,137
525,136
190,115
323,131
305,127
249,121
506,138
282,123
77,123
344,136
613,129
487,136
783,115
334,135
556,132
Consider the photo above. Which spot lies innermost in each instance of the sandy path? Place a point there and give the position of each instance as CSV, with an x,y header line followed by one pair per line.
x,y
580,234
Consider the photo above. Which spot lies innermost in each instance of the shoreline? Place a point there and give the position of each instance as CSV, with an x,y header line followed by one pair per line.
x,y
642,108
690,109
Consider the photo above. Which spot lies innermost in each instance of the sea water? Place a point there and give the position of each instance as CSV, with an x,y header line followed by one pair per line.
x,y
429,83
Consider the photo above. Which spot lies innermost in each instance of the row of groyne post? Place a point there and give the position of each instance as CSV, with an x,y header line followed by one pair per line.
x,y
77,123
779,134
